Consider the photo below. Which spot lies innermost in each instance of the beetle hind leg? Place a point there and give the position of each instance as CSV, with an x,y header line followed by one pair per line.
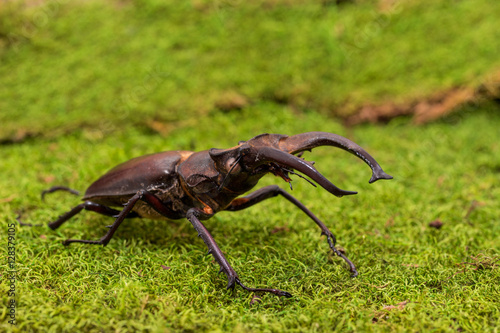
x,y
193,215
127,212
59,188
90,206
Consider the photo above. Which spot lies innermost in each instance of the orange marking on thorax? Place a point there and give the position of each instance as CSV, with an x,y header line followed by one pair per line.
x,y
208,210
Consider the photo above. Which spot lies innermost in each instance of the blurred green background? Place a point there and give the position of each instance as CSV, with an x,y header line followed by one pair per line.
x,y
85,85
160,64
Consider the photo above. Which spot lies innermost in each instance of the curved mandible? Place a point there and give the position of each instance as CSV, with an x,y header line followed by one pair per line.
x,y
268,154
307,141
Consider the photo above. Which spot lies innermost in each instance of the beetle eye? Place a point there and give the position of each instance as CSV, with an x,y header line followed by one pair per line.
x,y
233,165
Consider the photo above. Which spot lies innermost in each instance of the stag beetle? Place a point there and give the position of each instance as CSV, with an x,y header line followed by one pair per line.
x,y
196,185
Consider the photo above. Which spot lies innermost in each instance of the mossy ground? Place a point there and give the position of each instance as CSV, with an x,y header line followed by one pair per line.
x,y
86,86
448,277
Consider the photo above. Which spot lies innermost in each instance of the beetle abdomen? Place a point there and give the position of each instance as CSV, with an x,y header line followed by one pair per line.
x,y
141,173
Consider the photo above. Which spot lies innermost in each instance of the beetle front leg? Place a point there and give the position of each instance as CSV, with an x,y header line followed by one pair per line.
x,y
274,190
193,215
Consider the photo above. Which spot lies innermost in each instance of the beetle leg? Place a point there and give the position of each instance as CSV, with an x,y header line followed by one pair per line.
x,y
143,195
59,188
91,206
193,215
21,223
277,292
274,190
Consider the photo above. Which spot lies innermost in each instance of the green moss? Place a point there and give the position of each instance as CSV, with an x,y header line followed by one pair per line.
x,y
448,277
96,84
108,65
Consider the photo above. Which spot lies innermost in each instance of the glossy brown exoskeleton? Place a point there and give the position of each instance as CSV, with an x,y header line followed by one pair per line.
x,y
196,185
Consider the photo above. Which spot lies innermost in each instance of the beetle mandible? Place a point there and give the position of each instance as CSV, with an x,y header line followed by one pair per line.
x,y
197,185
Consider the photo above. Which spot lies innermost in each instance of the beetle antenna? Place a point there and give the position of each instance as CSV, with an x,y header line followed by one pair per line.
x,y
229,172
297,174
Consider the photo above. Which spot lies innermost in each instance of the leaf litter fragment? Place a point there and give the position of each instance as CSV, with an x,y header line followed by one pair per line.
x,y
383,314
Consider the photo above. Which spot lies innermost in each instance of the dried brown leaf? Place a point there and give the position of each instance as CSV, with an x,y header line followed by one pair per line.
x,y
280,229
